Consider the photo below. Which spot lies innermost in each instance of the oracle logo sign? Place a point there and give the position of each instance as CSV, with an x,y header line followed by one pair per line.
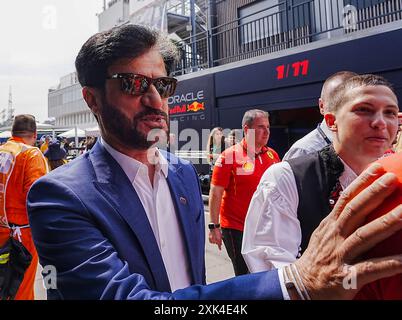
x,y
190,102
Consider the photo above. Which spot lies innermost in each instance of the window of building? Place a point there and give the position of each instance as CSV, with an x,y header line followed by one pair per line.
x,y
360,4
259,20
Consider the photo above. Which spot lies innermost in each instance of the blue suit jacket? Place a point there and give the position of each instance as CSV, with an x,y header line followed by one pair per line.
x,y
88,222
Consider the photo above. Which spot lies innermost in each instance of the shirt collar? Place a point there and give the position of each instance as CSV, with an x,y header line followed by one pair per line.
x,y
17,139
243,143
326,130
347,176
132,166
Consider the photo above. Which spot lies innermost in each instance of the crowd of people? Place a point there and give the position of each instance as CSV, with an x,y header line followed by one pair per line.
x,y
125,220
59,151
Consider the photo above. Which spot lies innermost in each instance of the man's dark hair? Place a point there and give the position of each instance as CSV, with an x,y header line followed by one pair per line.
x,y
103,49
340,95
23,125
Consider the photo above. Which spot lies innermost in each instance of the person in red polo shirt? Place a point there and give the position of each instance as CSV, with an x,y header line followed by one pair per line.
x,y
235,178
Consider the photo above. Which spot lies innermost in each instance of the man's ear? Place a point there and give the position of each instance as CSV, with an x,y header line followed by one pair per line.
x,y
321,106
245,129
30,139
91,97
330,120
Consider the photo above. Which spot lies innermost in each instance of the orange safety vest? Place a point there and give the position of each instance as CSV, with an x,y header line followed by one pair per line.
x,y
20,166
8,157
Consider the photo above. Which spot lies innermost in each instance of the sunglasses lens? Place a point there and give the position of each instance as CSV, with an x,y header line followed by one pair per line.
x,y
127,85
138,85
165,86
141,84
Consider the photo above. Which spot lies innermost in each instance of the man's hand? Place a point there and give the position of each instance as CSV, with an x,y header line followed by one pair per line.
x,y
215,236
215,199
336,246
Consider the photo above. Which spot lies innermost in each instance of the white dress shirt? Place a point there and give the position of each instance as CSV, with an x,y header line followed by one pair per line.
x,y
310,143
158,205
272,233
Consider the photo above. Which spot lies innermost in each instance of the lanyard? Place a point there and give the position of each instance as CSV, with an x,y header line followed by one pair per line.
x,y
323,134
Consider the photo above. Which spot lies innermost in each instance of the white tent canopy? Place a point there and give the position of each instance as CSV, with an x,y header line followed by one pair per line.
x,y
92,132
73,133
40,126
5,134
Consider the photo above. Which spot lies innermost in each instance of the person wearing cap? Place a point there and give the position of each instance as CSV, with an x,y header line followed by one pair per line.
x,y
55,154
21,164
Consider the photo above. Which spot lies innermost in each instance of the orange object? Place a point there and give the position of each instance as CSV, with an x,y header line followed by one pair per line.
x,y
388,288
239,175
44,147
29,165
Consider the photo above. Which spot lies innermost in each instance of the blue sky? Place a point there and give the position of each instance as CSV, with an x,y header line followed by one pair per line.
x,y
39,42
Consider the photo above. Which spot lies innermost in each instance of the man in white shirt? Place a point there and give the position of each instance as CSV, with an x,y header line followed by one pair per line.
x,y
295,195
322,135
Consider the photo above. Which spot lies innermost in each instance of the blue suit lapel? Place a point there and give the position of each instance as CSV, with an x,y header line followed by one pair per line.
x,y
177,184
115,186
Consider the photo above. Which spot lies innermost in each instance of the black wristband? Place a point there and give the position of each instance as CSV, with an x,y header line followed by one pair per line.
x,y
212,226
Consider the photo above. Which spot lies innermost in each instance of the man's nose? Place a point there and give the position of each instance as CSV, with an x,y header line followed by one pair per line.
x,y
378,121
152,98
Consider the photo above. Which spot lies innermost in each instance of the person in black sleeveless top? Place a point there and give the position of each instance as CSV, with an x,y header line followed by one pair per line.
x,y
294,196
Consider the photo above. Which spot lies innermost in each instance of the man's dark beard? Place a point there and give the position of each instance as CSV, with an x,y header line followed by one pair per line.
x,y
117,124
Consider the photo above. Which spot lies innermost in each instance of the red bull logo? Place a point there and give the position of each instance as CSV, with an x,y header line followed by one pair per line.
x,y
178,109
196,106
192,107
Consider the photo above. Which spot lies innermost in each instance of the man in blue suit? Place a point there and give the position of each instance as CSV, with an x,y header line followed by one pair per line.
x,y
126,220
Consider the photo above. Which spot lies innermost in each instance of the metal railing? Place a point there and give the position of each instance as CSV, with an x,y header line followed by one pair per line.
x,y
285,25
182,7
